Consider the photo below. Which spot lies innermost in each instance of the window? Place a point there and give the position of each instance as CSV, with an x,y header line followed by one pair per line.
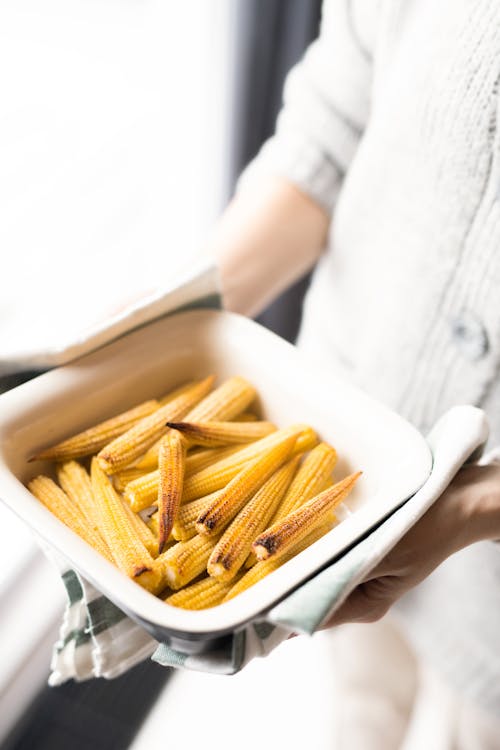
x,y
113,122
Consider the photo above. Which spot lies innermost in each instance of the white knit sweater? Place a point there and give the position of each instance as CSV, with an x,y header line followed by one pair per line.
x,y
392,122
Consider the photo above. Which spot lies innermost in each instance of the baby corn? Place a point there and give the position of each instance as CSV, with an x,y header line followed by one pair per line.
x,y
200,595
218,475
234,545
76,483
125,476
143,491
284,533
264,567
204,457
326,484
152,524
185,524
145,534
171,470
215,434
184,562
225,402
222,465
176,392
233,497
56,500
92,440
133,443
312,475
129,552
246,416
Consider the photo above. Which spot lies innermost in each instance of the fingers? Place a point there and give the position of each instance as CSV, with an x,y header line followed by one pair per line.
x,y
369,601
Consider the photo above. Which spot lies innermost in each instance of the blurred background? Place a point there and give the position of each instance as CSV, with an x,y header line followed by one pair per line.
x,y
123,127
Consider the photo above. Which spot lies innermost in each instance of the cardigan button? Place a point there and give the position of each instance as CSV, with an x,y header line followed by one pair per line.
x,y
470,336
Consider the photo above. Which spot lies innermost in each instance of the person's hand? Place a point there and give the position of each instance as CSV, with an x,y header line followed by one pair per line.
x,y
467,512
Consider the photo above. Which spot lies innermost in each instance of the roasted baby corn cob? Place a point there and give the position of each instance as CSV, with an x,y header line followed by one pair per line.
x,y
200,459
92,440
232,498
129,552
171,469
200,595
185,524
222,465
216,434
143,492
185,561
231,550
153,524
224,403
195,461
125,476
145,534
218,475
56,500
286,532
75,481
309,480
308,494
262,568
176,392
133,443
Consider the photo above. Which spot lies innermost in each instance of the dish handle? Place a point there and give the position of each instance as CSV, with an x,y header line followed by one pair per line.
x,y
457,438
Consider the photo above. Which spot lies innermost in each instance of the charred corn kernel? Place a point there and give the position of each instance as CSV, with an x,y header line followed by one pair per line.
x,y
125,476
200,595
246,416
261,569
232,498
56,500
315,470
215,434
231,550
125,545
149,540
219,474
176,392
133,443
185,524
225,402
92,440
184,562
171,469
287,531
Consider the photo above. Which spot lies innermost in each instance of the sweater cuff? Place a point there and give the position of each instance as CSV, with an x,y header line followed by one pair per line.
x,y
302,163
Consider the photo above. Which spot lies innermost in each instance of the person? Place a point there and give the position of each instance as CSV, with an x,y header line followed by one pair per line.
x,y
385,171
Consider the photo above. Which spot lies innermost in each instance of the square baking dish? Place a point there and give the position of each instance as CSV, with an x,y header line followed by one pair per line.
x,y
393,455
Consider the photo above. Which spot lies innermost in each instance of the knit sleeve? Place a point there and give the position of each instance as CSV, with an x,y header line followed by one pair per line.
x,y
325,105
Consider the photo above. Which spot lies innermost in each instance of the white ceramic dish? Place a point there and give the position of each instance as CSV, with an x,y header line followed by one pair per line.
x,y
394,457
